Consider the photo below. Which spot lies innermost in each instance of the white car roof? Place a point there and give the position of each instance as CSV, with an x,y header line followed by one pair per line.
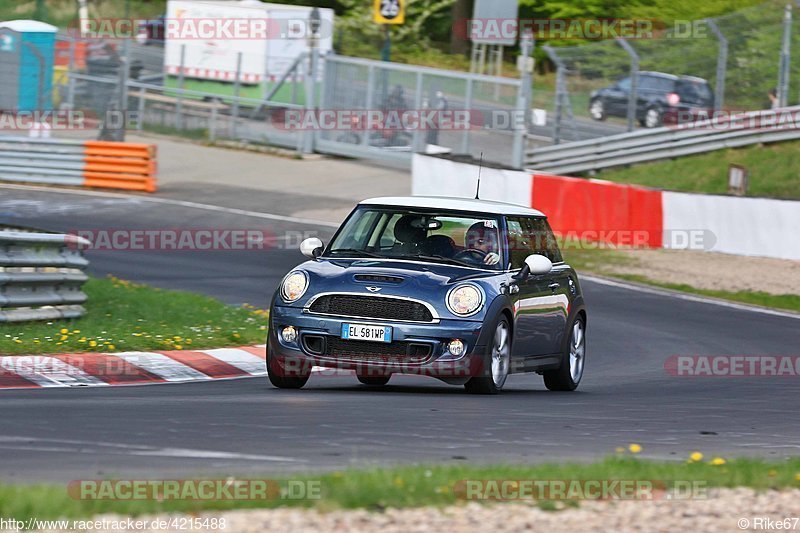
x,y
456,204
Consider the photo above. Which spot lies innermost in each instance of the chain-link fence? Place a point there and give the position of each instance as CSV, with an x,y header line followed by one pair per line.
x,y
381,110
737,62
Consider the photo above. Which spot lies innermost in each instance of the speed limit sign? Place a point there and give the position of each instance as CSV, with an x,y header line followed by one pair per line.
x,y
389,11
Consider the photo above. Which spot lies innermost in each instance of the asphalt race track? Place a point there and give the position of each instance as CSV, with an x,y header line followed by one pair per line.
x,y
246,426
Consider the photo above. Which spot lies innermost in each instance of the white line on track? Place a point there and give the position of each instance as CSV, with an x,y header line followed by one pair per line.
x,y
180,203
688,297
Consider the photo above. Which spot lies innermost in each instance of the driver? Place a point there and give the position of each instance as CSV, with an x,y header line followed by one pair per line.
x,y
481,239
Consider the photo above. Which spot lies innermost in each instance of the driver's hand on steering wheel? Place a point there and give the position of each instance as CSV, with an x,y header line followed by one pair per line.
x,y
491,259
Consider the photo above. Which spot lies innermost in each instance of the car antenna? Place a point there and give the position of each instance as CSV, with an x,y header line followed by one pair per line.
x,y
480,167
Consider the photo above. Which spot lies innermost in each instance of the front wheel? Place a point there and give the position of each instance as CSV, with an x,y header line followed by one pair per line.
x,y
496,363
569,374
285,375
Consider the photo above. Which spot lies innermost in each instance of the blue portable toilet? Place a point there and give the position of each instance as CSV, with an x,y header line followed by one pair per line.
x,y
27,52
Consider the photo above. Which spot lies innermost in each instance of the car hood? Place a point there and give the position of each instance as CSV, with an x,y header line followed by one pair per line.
x,y
429,282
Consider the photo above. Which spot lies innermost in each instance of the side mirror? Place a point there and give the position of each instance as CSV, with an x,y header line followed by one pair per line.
x,y
535,264
311,247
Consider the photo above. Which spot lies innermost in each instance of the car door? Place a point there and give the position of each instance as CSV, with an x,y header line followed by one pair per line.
x,y
538,307
617,97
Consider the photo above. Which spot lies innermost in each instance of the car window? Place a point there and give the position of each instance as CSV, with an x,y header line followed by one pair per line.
x,y
694,91
531,235
657,83
423,234
624,84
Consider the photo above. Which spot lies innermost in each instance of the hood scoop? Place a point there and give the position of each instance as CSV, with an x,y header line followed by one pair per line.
x,y
378,278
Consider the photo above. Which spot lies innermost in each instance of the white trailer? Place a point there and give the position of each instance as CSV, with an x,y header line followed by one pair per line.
x,y
211,34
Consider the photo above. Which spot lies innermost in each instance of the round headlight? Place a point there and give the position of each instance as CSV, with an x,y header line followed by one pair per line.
x,y
294,286
465,300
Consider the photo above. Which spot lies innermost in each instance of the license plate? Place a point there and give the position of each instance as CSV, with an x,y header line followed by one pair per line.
x,y
367,332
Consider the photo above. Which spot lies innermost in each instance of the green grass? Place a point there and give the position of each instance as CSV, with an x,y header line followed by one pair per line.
x,y
413,486
790,302
772,167
591,258
122,316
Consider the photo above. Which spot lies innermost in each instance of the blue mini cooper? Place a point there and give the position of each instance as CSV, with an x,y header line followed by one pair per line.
x,y
466,291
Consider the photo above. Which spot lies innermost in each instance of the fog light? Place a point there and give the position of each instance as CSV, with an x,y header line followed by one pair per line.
x,y
289,334
455,347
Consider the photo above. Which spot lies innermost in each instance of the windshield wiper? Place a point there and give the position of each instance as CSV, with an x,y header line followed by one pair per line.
x,y
354,251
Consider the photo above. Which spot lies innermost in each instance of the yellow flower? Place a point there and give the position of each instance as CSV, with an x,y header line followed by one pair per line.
x,y
635,448
718,461
178,346
797,476
772,473
64,331
398,481
92,343
111,347
64,337
188,341
76,331
177,338
696,456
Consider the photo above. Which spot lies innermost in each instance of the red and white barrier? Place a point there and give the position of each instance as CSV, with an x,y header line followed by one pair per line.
x,y
130,368
598,210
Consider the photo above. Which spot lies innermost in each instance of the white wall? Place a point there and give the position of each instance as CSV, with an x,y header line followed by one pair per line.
x,y
743,226
433,176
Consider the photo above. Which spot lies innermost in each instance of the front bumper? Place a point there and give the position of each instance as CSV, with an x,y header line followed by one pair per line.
x,y
416,348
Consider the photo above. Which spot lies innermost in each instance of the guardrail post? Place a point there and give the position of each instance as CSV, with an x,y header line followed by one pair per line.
x,y
560,90
365,124
722,64
237,87
70,78
308,106
633,96
786,49
520,129
468,107
179,98
139,124
416,142
212,126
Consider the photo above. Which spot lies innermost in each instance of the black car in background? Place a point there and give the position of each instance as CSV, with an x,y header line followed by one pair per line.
x,y
660,99
151,32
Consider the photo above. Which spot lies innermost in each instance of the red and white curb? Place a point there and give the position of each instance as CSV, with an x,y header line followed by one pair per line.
x,y
131,368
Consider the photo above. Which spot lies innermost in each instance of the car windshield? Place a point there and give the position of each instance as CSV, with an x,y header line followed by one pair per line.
x,y
432,236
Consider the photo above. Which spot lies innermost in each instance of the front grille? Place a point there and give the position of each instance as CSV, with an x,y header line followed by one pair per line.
x,y
354,305
377,352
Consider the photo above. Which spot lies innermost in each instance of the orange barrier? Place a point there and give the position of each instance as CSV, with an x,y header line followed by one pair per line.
x,y
120,165
600,211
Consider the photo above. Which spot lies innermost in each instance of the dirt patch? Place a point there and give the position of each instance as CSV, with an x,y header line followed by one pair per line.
x,y
722,510
709,270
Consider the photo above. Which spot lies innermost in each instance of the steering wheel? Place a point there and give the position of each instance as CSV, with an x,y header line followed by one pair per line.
x,y
471,254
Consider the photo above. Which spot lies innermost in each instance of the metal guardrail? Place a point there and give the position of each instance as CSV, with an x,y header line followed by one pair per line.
x,y
667,142
41,275
115,165
57,161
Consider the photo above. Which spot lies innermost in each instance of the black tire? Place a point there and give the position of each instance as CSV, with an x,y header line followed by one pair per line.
x,y
562,378
484,382
602,115
374,381
277,374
